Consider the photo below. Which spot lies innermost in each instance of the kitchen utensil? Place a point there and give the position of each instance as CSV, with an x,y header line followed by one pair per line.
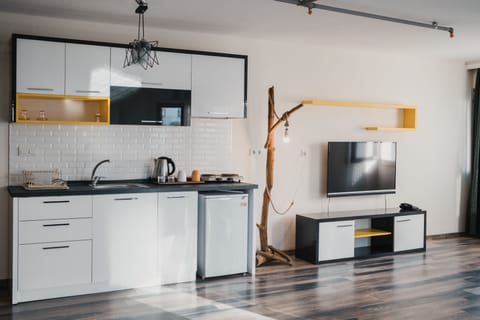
x,y
181,176
163,167
196,176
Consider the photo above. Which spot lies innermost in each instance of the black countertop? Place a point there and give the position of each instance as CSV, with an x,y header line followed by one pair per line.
x,y
82,188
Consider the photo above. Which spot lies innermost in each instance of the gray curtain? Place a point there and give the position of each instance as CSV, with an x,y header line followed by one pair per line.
x,y
473,213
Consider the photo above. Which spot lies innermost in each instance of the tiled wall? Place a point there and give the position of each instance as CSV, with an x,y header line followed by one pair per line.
x,y
206,145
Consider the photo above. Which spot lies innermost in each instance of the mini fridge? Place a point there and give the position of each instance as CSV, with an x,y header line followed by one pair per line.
x,y
222,234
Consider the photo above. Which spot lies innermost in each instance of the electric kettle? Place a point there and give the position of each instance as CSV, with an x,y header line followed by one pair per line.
x,y
163,167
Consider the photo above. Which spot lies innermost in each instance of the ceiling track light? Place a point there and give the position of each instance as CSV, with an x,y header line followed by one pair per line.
x,y
310,4
141,51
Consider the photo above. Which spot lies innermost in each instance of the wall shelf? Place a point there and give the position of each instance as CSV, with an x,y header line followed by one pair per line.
x,y
370,232
60,109
409,112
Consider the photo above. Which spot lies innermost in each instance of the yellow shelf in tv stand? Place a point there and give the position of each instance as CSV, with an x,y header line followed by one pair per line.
x,y
409,112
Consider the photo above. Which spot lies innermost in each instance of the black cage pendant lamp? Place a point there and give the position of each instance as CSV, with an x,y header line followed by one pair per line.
x,y
141,51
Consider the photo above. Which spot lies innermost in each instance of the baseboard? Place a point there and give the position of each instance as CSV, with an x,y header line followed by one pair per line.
x,y
446,236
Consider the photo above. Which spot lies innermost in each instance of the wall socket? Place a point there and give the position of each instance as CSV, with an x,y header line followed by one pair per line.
x,y
25,152
255,152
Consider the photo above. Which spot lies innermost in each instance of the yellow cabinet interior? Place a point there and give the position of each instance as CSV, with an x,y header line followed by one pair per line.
x,y
62,109
409,112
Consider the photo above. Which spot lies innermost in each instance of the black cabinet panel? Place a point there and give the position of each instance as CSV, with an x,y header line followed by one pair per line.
x,y
149,106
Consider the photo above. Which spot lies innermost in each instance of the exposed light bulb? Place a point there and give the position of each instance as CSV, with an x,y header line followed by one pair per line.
x,y
286,138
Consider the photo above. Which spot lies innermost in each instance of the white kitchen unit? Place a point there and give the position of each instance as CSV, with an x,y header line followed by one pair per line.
x,y
218,87
69,245
51,247
408,232
336,240
177,236
87,71
40,67
125,240
172,72
222,234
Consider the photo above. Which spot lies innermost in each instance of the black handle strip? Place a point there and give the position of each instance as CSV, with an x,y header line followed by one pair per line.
x,y
176,197
345,225
125,199
404,220
56,224
58,201
53,248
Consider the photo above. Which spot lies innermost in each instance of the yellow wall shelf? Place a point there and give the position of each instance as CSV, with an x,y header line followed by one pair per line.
x,y
409,112
60,109
370,232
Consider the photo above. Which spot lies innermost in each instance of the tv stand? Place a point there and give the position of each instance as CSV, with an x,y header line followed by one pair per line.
x,y
322,237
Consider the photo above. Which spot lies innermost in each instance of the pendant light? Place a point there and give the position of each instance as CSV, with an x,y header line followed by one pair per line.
x,y
141,51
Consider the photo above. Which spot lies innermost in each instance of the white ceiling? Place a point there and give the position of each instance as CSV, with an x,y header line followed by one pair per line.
x,y
269,19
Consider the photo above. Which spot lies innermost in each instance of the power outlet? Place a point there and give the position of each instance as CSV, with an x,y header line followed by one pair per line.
x,y
25,152
255,152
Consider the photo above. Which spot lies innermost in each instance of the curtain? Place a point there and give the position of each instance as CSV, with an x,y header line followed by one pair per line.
x,y
473,211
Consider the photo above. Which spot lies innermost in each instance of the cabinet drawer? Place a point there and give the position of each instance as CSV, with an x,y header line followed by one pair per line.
x,y
336,240
54,230
42,266
409,232
41,208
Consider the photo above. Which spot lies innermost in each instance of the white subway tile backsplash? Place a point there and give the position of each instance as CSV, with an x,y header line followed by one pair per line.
x,y
206,145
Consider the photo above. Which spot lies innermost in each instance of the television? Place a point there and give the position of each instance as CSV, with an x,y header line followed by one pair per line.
x,y
361,168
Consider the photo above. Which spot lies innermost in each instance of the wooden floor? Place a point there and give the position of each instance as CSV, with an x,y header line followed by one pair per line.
x,y
443,283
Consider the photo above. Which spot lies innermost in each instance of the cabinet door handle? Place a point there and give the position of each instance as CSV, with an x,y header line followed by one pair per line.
x,y
53,248
40,89
87,91
176,197
344,225
125,199
405,220
57,201
56,225
151,121
152,83
219,113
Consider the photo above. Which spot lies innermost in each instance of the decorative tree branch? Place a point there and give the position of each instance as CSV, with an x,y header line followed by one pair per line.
x,y
269,253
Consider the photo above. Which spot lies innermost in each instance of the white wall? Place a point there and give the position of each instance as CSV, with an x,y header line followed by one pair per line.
x,y
431,160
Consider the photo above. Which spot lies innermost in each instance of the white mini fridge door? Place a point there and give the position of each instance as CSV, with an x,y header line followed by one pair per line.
x,y
222,245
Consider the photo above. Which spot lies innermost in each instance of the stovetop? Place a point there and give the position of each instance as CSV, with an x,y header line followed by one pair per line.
x,y
222,177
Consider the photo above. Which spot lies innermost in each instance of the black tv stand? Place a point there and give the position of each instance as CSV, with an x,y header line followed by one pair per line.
x,y
322,237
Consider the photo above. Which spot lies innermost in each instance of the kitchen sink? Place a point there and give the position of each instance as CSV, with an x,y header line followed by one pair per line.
x,y
119,186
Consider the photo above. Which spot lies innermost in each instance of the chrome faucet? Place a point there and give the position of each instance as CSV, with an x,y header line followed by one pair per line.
x,y
94,179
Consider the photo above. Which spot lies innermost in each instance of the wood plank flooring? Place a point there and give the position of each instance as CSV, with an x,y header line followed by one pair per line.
x,y
443,283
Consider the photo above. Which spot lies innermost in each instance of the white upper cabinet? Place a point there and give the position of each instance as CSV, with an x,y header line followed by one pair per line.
x,y
173,71
218,87
40,67
87,70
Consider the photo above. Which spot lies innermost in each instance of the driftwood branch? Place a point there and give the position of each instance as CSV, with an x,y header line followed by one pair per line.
x,y
268,253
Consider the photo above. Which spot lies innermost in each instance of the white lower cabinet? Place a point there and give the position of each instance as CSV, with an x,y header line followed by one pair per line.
x,y
177,236
336,240
54,264
125,240
409,232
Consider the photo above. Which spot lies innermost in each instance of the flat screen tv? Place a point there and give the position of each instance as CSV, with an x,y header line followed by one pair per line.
x,y
361,168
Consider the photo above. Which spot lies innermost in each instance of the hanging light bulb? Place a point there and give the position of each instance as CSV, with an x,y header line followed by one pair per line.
x,y
286,138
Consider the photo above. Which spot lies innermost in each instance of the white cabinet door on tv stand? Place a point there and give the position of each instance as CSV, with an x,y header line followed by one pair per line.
x,y
336,240
409,232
